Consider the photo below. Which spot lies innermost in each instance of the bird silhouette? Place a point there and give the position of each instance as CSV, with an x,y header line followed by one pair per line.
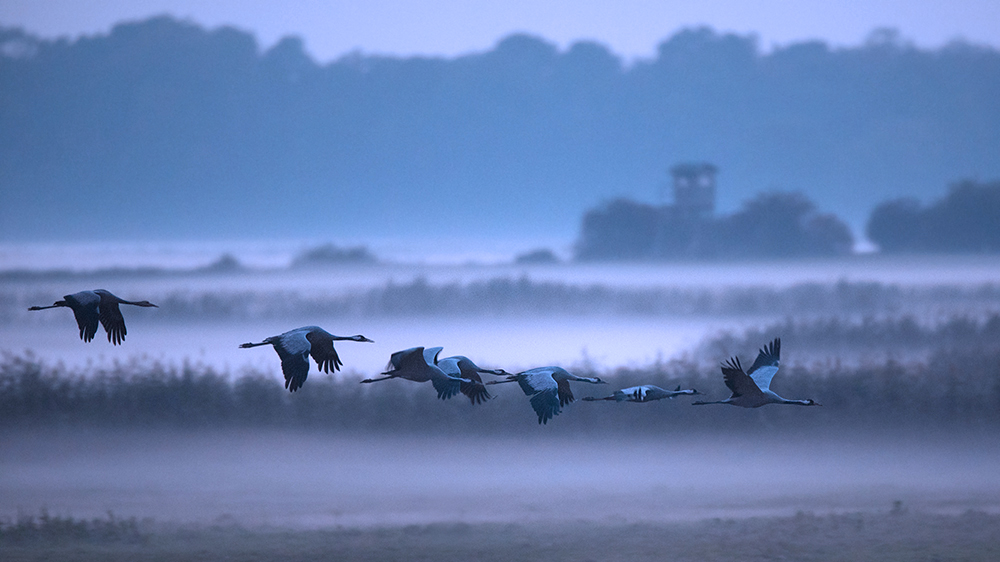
x,y
548,389
295,346
463,367
644,393
418,364
97,306
752,389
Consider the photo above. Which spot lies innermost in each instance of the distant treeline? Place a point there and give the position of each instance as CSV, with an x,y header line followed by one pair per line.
x,y
162,128
787,225
966,220
523,296
326,255
770,225
954,382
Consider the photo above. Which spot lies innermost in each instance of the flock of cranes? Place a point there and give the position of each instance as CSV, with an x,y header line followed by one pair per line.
x,y
547,388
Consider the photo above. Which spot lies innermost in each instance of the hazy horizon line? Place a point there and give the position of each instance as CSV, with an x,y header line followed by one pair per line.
x,y
895,34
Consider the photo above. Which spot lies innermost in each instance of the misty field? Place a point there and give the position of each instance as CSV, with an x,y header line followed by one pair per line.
x,y
896,535
288,494
180,445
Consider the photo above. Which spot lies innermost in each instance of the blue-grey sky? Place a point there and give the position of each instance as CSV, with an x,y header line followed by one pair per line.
x,y
631,28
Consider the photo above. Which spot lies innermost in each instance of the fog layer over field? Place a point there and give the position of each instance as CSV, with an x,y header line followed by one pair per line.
x,y
510,316
302,479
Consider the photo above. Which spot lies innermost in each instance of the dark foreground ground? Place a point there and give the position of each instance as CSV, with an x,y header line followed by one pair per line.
x,y
894,534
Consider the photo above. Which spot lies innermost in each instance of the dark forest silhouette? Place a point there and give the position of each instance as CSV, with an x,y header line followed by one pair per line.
x,y
966,220
769,225
162,128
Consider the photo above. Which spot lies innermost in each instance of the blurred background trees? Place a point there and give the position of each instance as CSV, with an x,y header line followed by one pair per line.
x,y
966,220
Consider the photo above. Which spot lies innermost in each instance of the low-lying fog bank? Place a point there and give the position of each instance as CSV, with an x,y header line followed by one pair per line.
x,y
897,534
627,316
307,480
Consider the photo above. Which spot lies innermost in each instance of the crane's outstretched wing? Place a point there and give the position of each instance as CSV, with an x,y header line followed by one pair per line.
x,y
565,392
323,352
445,385
766,364
112,319
543,390
462,366
431,355
475,390
546,405
85,306
536,380
399,360
738,381
293,349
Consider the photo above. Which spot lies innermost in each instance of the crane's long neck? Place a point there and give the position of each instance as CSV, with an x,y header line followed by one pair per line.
x,y
138,303
511,379
358,337
379,379
58,304
249,344
798,402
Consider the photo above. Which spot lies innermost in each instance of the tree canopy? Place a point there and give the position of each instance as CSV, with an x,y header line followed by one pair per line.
x,y
966,220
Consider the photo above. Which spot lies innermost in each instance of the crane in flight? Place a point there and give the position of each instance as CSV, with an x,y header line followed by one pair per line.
x,y
419,364
99,305
645,393
295,346
548,389
752,389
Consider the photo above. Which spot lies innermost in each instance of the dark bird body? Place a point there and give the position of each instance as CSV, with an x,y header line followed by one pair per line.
x,y
295,346
97,306
644,393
